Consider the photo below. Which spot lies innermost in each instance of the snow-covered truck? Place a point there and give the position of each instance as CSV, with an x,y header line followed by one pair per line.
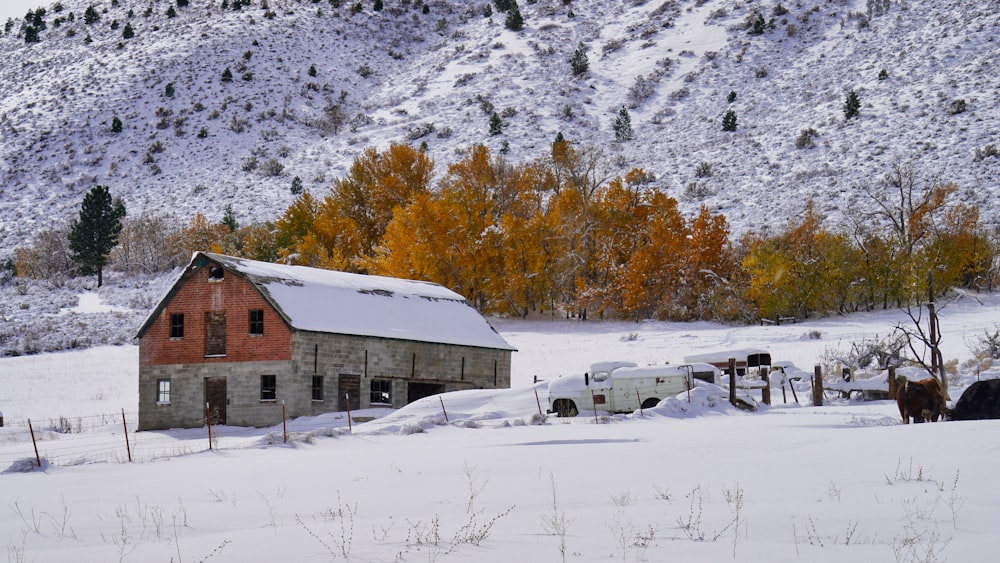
x,y
622,387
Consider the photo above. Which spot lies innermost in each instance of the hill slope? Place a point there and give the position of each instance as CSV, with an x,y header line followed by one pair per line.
x,y
402,75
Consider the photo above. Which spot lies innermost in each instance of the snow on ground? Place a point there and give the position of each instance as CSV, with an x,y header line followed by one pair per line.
x,y
694,480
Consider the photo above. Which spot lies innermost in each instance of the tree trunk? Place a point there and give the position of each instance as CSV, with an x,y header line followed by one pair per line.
x,y
937,360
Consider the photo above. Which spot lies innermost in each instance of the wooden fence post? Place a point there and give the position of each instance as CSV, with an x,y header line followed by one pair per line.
x,y
127,448
443,410
208,421
765,392
818,386
732,381
350,427
892,383
34,443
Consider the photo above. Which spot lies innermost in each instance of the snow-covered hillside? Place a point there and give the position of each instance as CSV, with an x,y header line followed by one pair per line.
x,y
408,74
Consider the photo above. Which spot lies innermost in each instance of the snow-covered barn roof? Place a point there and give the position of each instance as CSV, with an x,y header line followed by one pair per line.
x,y
318,300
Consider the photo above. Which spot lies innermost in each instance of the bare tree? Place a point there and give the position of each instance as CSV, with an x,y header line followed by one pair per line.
x,y
929,339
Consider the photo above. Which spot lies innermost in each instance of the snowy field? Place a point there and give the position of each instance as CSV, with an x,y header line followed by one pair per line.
x,y
686,480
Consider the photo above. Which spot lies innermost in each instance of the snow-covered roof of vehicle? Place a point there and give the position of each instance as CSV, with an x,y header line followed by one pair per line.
x,y
318,300
724,355
668,370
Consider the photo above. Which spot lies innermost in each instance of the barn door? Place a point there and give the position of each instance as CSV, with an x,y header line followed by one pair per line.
x,y
418,390
215,396
350,385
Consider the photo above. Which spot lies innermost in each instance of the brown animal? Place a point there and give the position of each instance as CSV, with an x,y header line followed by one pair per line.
x,y
923,400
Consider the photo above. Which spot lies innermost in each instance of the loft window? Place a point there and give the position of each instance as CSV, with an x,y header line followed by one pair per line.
x,y
317,387
216,273
257,321
177,325
268,387
163,391
381,392
215,333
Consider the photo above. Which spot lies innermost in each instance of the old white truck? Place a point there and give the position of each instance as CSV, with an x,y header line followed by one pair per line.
x,y
622,387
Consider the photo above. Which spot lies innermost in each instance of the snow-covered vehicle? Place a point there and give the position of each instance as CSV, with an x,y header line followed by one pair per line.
x,y
622,387
748,360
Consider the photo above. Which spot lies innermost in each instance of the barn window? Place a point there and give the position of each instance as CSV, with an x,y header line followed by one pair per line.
x,y
257,321
268,387
381,392
317,388
215,333
216,273
163,391
177,325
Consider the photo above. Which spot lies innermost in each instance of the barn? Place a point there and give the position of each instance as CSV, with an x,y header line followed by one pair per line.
x,y
239,339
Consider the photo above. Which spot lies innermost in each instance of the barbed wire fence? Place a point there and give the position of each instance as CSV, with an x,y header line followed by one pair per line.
x,y
113,437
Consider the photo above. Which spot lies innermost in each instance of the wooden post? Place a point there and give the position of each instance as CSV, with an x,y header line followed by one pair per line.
x,y
284,425
538,401
208,421
818,387
34,443
732,381
639,400
593,401
127,448
443,409
892,383
350,428
765,392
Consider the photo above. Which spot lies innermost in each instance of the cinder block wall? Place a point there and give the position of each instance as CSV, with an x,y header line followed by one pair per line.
x,y
244,406
400,361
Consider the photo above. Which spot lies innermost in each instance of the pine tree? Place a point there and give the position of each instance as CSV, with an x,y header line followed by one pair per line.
x,y
729,121
90,15
116,125
30,34
514,21
171,12
623,126
496,124
128,32
182,3
579,60
377,6
852,106
168,90
227,75
37,20
95,233
312,70
296,186
229,219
